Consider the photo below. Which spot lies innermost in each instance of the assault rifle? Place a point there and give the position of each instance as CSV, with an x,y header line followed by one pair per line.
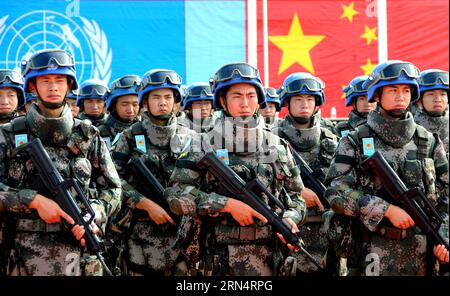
x,y
61,193
413,201
250,193
149,186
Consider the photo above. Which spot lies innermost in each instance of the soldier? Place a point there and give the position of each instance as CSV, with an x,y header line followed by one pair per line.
x,y
303,95
72,102
91,99
40,243
123,106
389,244
433,111
272,107
356,97
234,238
151,232
198,107
11,94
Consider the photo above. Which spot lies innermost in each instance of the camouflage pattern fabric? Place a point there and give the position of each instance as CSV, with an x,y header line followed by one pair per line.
x,y
78,152
95,121
149,245
197,125
353,191
434,124
230,249
354,119
317,151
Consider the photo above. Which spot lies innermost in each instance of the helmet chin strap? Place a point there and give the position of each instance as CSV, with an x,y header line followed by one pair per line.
x,y
52,106
394,113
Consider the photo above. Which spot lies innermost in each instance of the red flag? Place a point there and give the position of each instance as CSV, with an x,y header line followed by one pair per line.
x,y
418,32
333,40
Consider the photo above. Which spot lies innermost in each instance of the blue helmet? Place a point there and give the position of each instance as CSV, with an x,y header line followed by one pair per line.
x,y
432,79
125,85
158,79
13,79
272,97
354,89
30,97
199,91
92,89
302,83
234,73
73,94
390,73
49,61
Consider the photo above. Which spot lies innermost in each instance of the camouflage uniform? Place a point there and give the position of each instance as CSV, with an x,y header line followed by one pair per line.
x,y
148,246
198,125
109,131
354,119
227,248
419,159
78,152
316,145
98,121
434,124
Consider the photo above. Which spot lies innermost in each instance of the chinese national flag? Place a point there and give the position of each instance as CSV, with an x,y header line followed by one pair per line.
x,y
333,40
418,32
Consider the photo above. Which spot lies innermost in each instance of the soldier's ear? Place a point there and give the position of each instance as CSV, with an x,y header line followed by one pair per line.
x,y
376,97
223,102
32,86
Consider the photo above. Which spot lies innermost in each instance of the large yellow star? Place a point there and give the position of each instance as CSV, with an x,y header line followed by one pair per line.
x,y
343,93
349,11
368,67
296,47
369,34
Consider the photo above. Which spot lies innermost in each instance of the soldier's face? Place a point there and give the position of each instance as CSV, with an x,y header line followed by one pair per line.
x,y
201,109
241,100
127,107
302,105
435,100
269,111
394,97
94,107
73,107
161,101
8,99
52,88
363,105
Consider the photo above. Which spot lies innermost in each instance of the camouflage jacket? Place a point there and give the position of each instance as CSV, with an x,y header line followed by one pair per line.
x,y
76,150
354,119
111,128
414,153
199,125
316,145
438,124
158,146
271,162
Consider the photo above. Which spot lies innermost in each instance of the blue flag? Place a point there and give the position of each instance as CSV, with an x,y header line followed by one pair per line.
x,y
110,39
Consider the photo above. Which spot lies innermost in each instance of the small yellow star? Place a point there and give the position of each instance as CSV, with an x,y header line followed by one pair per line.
x,y
349,11
343,93
296,47
368,67
369,34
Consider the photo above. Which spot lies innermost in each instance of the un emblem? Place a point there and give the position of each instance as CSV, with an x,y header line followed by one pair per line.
x,y
44,29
